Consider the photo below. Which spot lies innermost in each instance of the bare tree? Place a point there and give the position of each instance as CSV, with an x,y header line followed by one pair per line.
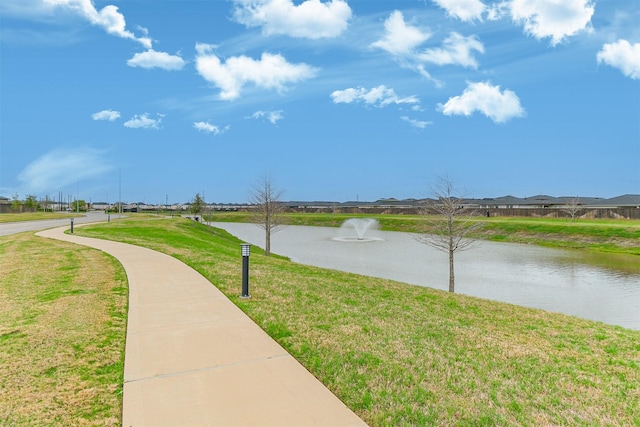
x,y
268,209
573,208
449,222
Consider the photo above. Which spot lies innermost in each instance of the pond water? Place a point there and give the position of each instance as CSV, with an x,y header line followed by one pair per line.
x,y
602,287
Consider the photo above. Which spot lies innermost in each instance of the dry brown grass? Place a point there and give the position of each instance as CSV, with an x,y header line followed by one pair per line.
x,y
62,331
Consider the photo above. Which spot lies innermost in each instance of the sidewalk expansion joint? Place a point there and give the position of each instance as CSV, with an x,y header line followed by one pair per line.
x,y
209,368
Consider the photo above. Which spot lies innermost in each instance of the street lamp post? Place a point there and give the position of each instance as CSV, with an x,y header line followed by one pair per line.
x,y
246,250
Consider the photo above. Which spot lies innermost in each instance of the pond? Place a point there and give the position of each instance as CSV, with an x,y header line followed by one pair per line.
x,y
595,286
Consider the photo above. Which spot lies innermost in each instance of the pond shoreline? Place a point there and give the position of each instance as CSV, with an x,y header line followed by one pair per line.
x,y
550,279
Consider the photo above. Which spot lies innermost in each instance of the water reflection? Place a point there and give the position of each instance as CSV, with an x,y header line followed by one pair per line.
x,y
596,286
618,264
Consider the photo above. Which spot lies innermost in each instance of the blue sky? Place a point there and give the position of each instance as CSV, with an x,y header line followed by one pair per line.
x,y
334,100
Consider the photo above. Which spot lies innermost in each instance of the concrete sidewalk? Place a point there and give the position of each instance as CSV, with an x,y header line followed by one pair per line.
x,y
194,359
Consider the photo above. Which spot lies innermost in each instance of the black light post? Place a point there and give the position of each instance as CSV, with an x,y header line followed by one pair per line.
x,y
71,225
246,250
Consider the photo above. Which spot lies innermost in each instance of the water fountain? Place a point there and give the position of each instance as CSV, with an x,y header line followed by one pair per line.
x,y
355,230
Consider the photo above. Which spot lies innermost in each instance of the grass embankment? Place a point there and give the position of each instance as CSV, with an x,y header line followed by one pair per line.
x,y
62,332
407,355
35,216
618,236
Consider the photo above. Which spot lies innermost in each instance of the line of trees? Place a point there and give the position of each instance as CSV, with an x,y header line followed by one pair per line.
x,y
30,203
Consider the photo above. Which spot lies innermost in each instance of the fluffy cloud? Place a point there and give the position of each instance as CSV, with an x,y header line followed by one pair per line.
x,y
379,96
552,18
143,121
487,99
418,124
153,59
622,55
465,10
310,19
403,41
269,72
109,115
206,127
271,116
63,167
456,50
108,18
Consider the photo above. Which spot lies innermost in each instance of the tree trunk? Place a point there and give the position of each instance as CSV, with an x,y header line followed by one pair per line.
x,y
451,274
267,243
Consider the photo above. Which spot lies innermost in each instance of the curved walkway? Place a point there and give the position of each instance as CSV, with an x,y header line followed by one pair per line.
x,y
193,358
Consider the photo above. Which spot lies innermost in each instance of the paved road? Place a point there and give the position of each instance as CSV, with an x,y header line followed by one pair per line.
x,y
18,227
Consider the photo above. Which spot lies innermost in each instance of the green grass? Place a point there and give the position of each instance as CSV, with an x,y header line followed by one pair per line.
x,y
34,216
619,236
62,332
406,355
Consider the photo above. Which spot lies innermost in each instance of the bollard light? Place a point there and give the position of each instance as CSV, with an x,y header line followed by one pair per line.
x,y
71,225
246,250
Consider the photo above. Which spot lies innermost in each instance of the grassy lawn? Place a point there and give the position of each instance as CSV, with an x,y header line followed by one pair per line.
x,y
35,216
62,332
407,355
619,236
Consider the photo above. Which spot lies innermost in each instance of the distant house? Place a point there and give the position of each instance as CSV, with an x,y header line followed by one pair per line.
x,y
5,204
625,201
536,202
99,206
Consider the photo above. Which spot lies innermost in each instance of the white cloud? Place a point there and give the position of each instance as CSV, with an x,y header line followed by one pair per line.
x,y
143,121
310,19
552,18
379,96
206,127
109,115
271,116
269,72
154,59
456,50
419,124
498,11
487,99
465,10
108,18
401,39
622,55
63,167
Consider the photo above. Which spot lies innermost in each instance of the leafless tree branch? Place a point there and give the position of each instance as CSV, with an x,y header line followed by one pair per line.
x,y
267,209
449,223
